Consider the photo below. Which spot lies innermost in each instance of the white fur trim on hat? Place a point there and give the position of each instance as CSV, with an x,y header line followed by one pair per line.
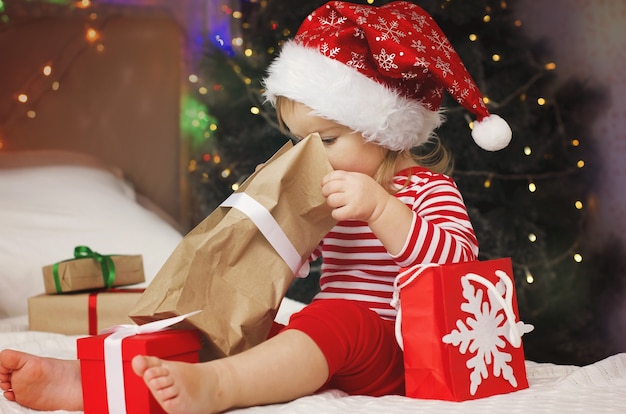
x,y
340,93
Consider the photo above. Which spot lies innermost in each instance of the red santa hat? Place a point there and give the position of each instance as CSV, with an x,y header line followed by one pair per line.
x,y
381,71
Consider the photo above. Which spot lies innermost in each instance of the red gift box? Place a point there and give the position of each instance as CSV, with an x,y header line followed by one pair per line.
x,y
460,330
173,344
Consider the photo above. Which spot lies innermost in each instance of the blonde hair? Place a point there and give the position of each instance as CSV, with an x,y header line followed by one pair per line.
x,y
432,155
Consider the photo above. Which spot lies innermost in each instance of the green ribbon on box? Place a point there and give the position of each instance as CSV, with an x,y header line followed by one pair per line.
x,y
82,252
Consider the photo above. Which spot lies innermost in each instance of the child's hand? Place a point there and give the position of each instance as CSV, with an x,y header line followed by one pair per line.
x,y
353,196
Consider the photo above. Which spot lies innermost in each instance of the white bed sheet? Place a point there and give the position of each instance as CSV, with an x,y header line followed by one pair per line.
x,y
596,388
47,210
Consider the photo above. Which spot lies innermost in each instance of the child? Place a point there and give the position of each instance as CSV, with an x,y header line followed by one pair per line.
x,y
370,81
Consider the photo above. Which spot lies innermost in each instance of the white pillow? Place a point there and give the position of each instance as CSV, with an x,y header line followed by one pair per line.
x,y
47,211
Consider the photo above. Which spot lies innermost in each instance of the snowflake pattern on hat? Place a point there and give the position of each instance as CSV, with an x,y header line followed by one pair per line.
x,y
410,52
399,65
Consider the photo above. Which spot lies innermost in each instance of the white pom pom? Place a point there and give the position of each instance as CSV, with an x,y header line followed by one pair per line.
x,y
492,133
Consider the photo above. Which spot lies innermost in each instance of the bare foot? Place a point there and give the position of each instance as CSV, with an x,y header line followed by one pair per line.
x,y
41,383
181,387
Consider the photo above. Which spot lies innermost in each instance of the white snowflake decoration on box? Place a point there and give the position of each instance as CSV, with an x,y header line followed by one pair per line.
x,y
490,323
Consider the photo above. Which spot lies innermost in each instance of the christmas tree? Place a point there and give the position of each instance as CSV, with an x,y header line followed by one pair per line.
x,y
528,201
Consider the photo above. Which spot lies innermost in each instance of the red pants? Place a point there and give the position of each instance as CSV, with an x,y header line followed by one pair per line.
x,y
360,348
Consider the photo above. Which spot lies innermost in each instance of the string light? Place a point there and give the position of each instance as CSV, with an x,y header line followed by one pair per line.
x,y
47,70
578,204
580,164
529,276
527,150
532,237
193,165
22,98
92,34
578,257
532,187
541,101
487,183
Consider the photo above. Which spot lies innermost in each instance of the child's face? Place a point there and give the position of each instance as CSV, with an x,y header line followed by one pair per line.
x,y
347,150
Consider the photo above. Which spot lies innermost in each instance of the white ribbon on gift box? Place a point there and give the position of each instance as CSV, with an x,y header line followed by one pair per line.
x,y
113,363
268,226
514,337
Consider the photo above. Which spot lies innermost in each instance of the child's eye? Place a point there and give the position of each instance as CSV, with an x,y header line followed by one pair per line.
x,y
329,140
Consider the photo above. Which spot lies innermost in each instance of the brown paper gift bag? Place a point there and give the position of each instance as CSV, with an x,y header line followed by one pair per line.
x,y
227,268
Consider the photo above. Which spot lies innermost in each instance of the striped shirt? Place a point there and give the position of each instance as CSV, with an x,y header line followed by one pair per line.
x,y
357,266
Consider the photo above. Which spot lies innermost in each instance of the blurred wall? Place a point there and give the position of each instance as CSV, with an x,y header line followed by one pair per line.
x,y
118,96
588,41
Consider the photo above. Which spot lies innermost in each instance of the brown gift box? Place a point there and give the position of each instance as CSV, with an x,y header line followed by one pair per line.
x,y
81,313
86,273
228,269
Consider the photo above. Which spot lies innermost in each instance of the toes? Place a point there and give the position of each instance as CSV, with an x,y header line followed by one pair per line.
x,y
141,363
11,360
9,395
5,377
159,376
163,388
160,382
5,386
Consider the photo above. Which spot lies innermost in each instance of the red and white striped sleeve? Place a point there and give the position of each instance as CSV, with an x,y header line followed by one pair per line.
x,y
441,231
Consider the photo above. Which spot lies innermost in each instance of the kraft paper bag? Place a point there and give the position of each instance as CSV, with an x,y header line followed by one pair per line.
x,y
226,266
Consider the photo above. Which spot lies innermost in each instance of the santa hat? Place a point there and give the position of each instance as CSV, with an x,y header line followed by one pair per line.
x,y
381,71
